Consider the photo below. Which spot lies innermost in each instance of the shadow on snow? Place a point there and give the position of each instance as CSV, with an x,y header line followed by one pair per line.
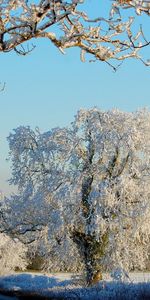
x,y
31,286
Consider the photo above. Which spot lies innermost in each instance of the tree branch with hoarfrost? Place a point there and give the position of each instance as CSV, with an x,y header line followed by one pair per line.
x,y
95,176
66,24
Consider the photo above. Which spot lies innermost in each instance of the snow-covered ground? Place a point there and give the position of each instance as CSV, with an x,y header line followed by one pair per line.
x,y
68,286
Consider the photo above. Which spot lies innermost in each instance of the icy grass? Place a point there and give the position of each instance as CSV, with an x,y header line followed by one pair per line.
x,y
66,286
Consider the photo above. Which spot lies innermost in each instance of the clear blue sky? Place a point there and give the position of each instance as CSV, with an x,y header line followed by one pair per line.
x,y
46,89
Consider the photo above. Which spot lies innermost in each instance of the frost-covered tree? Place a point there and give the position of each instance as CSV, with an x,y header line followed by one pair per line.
x,y
24,218
95,176
67,24
13,254
27,217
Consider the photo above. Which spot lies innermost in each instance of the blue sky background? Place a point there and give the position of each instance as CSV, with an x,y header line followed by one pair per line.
x,y
46,89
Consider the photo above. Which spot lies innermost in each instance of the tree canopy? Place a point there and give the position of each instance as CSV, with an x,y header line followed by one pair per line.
x,y
95,177
66,24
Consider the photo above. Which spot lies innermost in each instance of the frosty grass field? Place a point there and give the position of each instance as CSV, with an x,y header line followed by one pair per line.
x,y
68,286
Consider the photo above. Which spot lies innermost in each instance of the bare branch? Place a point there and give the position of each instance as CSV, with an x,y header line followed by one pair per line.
x,y
23,51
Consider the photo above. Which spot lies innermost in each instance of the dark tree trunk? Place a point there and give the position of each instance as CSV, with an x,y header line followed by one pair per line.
x,y
91,252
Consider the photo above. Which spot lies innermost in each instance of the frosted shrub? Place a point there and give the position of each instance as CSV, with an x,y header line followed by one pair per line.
x,y
12,254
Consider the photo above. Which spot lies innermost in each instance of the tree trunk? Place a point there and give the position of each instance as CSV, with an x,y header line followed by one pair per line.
x,y
91,252
90,249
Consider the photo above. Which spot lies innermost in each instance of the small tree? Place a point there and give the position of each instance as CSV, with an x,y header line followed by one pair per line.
x,y
13,254
95,176
30,219
106,38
